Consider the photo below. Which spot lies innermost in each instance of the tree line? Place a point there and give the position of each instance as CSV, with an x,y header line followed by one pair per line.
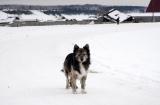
x,y
70,9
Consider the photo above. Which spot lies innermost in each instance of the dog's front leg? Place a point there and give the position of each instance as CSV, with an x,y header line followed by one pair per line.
x,y
74,87
83,84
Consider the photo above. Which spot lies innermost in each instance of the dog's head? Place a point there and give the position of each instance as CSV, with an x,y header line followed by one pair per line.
x,y
81,54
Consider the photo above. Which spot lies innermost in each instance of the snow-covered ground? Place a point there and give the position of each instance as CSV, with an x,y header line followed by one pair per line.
x,y
125,61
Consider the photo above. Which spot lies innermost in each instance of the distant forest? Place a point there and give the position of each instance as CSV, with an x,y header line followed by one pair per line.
x,y
69,9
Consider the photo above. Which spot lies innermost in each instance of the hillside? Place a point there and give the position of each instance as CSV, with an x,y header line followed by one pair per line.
x,y
70,9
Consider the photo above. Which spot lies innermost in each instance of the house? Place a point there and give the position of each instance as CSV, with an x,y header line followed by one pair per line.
x,y
7,21
91,18
154,6
114,14
145,17
152,13
25,22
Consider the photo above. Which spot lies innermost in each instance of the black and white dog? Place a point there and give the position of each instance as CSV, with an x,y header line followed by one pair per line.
x,y
76,67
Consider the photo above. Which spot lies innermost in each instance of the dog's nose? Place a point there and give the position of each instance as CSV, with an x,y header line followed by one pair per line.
x,y
81,58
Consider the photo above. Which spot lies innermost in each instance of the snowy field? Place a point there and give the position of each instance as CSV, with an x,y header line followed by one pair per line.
x,y
125,64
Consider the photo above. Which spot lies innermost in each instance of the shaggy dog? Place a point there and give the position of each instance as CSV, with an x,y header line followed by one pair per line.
x,y
76,67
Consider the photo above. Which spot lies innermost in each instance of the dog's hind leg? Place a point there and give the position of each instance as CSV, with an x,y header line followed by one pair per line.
x,y
67,83
83,81
67,80
74,86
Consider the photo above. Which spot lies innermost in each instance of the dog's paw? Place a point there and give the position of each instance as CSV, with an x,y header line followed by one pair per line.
x,y
67,88
75,92
83,91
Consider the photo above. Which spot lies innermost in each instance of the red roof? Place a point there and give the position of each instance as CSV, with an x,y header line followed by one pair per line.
x,y
154,6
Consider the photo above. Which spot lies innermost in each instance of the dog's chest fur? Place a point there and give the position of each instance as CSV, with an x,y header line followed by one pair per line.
x,y
82,73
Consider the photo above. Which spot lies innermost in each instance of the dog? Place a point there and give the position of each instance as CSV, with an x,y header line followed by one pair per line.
x,y
76,66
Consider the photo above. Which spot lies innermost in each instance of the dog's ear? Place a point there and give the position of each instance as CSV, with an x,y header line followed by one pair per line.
x,y
76,47
86,47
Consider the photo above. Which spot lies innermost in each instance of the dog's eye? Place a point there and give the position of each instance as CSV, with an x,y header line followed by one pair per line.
x,y
84,54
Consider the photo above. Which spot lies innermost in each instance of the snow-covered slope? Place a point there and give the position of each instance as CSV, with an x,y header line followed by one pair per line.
x,y
36,14
125,61
3,15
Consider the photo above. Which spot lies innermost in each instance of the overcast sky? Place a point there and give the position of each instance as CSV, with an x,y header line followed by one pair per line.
x,y
67,2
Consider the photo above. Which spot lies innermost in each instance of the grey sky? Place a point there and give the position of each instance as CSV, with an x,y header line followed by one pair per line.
x,y
62,2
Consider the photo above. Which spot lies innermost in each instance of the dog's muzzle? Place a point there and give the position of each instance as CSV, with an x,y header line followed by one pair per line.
x,y
81,59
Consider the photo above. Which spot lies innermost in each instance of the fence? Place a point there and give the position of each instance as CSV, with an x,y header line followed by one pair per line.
x,y
36,23
138,19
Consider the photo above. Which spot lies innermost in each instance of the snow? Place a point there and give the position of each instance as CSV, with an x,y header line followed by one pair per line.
x,y
35,15
3,15
145,14
77,17
125,64
38,15
8,20
4,18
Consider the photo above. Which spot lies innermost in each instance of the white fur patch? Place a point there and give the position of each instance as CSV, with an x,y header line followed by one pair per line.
x,y
82,70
